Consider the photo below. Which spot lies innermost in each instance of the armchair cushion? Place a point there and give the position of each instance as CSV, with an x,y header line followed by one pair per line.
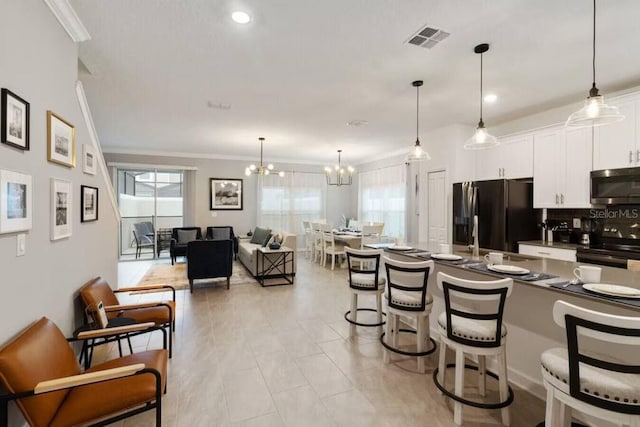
x,y
219,233
186,236
261,236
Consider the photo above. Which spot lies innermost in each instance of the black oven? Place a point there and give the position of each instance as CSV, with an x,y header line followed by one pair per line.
x,y
615,186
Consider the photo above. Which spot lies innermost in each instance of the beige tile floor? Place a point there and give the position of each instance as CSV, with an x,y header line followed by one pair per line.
x,y
282,356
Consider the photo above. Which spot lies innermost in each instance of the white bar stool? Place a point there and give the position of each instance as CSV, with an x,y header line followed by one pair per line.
x,y
364,280
594,384
407,296
479,332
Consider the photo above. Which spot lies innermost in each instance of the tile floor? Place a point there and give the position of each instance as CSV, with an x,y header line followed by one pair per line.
x,y
282,356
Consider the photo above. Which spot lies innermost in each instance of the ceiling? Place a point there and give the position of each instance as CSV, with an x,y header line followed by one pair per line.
x,y
179,76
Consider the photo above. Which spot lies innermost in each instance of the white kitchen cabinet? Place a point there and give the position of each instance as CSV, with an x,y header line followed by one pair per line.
x,y
618,145
513,158
548,252
464,168
561,166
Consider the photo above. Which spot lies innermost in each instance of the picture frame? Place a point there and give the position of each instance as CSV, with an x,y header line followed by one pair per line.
x,y
61,213
16,195
14,124
61,140
88,159
88,203
225,194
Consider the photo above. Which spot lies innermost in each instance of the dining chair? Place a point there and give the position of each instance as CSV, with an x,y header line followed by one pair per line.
x,y
370,235
596,384
308,237
330,247
316,250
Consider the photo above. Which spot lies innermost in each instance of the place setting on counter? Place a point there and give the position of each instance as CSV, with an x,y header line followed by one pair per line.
x,y
495,265
587,281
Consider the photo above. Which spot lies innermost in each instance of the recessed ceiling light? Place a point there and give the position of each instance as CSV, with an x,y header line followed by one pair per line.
x,y
492,97
241,17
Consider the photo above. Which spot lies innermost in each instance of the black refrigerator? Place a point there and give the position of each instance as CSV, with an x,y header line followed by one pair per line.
x,y
505,213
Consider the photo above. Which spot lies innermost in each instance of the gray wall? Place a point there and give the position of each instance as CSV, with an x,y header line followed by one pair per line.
x,y
40,65
340,200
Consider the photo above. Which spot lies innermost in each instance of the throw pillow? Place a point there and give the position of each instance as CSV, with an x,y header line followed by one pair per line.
x,y
268,240
186,236
220,233
260,235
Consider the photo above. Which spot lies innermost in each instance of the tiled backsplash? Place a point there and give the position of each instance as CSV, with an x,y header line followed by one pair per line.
x,y
623,219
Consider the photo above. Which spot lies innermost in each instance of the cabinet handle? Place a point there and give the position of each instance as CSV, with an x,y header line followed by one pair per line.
x,y
557,199
562,199
503,169
637,155
630,156
544,253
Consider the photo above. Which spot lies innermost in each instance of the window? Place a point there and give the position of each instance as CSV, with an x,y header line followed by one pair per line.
x,y
286,202
382,198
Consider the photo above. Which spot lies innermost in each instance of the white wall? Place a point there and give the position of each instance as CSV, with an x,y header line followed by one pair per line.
x,y
40,65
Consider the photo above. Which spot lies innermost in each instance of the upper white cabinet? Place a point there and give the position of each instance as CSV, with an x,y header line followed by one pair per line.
x,y
464,168
618,145
561,164
513,158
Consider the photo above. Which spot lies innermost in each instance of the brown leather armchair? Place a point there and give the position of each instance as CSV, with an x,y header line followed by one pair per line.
x,y
38,369
161,313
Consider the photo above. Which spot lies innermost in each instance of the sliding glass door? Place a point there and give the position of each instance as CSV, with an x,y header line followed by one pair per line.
x,y
151,203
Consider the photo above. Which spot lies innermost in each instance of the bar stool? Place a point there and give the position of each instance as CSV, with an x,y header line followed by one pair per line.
x,y
594,384
364,280
479,332
407,296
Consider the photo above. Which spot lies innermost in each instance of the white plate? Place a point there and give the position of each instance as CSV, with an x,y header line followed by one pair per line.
x,y
612,290
446,257
400,248
508,269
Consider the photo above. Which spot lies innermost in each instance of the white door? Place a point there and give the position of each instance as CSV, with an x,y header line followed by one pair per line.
x,y
437,209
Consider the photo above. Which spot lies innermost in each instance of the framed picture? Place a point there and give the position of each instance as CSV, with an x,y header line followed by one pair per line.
x,y
15,120
88,203
61,140
225,194
88,159
16,194
60,208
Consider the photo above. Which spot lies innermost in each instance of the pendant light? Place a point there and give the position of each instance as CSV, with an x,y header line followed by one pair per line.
x,y
342,177
261,169
595,112
481,138
418,153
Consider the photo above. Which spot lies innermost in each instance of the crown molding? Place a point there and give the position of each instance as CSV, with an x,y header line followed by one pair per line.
x,y
69,20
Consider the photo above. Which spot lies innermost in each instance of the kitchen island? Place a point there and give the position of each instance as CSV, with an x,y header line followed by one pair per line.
x,y
528,311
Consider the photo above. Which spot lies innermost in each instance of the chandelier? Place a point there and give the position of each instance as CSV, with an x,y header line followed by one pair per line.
x,y
262,169
339,177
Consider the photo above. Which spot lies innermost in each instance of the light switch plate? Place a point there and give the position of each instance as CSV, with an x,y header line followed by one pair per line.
x,y
576,223
21,244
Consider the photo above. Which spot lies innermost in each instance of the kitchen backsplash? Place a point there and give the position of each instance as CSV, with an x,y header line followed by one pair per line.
x,y
614,221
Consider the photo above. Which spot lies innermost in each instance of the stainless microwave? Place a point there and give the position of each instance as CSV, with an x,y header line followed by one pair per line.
x,y
615,186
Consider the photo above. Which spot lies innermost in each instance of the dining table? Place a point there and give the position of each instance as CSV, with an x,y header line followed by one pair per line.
x,y
351,238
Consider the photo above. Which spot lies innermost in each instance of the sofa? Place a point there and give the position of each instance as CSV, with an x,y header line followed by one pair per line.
x,y
248,251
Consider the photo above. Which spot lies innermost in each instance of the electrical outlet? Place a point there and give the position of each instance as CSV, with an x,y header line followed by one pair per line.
x,y
576,223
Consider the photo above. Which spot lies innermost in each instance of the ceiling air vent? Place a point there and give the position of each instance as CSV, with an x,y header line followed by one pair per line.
x,y
428,37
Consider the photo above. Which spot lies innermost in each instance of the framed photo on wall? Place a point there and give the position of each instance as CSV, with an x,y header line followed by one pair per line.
x,y
15,120
88,159
225,194
61,140
16,195
88,203
60,208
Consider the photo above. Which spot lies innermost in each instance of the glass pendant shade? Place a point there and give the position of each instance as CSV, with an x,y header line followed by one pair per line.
x,y
595,112
481,138
417,153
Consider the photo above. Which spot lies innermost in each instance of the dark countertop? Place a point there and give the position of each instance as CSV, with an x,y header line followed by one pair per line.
x,y
558,245
562,269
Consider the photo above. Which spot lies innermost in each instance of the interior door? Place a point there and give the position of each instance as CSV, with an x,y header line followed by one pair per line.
x,y
437,209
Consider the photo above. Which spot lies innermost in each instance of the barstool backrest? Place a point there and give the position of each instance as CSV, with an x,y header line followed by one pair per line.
x,y
407,277
493,294
608,328
363,262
